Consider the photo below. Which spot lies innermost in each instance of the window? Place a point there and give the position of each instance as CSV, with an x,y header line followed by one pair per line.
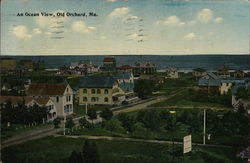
x,y
84,91
66,98
106,99
85,99
106,91
94,99
98,91
67,89
69,98
93,91
57,99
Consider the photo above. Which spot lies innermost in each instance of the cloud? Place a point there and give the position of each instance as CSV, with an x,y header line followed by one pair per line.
x,y
190,36
171,21
192,22
110,0
36,31
45,22
205,15
218,20
21,31
119,12
80,26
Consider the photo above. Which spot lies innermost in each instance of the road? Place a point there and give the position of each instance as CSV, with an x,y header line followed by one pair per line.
x,y
136,140
49,130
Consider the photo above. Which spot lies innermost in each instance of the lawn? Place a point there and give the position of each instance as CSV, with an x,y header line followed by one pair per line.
x,y
15,129
183,99
58,149
79,110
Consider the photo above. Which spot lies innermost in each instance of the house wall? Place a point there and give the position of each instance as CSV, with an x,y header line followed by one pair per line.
x,y
115,90
224,87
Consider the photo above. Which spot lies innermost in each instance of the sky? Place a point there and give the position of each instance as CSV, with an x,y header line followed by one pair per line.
x,y
164,27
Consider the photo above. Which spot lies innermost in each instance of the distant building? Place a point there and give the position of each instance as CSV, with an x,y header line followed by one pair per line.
x,y
8,63
100,90
31,101
210,75
223,72
130,95
28,64
209,85
199,72
109,64
144,68
239,74
172,72
125,68
125,77
60,94
226,85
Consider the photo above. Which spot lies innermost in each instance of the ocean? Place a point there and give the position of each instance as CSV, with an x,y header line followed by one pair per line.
x,y
184,62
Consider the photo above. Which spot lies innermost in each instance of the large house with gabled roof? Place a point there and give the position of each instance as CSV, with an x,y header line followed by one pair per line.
x,y
103,90
60,94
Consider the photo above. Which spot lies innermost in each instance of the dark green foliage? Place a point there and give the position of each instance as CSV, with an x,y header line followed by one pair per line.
x,y
56,122
90,152
200,96
69,123
144,88
22,114
150,118
75,157
92,114
243,93
106,114
114,125
84,123
127,121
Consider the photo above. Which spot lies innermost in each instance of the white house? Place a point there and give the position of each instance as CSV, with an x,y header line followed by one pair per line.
x,y
172,72
225,85
60,94
125,77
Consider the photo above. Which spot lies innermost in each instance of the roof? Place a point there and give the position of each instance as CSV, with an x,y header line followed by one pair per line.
x,y
127,87
46,89
125,67
212,75
97,82
109,59
209,82
199,70
144,64
123,75
19,99
232,81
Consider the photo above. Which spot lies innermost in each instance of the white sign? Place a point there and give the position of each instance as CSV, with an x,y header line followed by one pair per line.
x,y
187,144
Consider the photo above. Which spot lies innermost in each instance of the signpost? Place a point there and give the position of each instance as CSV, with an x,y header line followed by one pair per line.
x,y
187,144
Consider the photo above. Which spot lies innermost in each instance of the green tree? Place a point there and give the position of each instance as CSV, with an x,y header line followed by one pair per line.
x,y
69,123
127,121
144,88
75,157
138,128
84,123
90,152
92,114
114,125
56,122
106,114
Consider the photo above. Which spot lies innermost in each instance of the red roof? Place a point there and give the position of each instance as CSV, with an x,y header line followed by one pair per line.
x,y
19,99
46,89
109,59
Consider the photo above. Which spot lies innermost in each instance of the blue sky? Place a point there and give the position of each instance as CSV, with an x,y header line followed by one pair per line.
x,y
126,27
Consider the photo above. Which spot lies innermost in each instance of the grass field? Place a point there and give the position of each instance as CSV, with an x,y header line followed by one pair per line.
x,y
182,99
58,149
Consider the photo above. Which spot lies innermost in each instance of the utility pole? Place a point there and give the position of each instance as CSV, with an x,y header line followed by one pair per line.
x,y
204,127
64,123
86,108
